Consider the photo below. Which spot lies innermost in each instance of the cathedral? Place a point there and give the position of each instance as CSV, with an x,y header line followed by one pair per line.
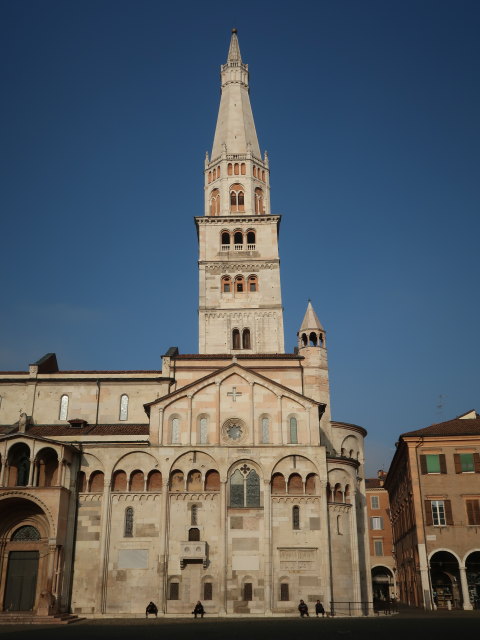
x,y
221,477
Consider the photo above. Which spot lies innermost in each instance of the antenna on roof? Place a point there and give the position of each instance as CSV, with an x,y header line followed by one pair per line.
x,y
440,407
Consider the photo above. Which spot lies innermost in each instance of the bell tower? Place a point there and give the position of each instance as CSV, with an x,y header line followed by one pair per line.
x,y
240,306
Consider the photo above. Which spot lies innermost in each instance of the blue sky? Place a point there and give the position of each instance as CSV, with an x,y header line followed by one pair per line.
x,y
370,114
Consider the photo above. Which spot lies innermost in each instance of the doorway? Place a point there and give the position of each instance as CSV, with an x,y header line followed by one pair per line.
x,y
21,581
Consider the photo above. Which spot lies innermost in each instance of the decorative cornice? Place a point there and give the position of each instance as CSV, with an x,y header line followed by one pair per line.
x,y
270,218
296,499
194,495
339,507
234,267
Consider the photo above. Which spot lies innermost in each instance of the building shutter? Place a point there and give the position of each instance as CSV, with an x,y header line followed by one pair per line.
x,y
476,461
458,464
448,511
443,464
470,514
476,512
428,513
423,464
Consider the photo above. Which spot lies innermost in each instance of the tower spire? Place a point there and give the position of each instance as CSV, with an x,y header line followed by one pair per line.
x,y
235,131
311,332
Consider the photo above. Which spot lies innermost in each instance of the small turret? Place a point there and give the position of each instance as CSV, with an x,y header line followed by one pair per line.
x,y
311,333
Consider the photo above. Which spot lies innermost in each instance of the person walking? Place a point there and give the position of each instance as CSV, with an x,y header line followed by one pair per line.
x,y
198,610
303,608
319,609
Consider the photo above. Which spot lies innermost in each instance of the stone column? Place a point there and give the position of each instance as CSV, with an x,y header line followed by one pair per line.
x,y
160,426
31,473
189,419
252,414
217,436
163,550
101,600
5,470
267,558
222,599
280,419
464,586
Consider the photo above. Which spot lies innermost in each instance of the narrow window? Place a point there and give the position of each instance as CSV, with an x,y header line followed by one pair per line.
x,y
296,517
293,431
237,490
254,172
247,591
466,463
241,201
253,489
246,339
207,591
438,513
174,591
194,534
63,407
378,547
376,523
243,169
259,207
209,177
235,339
252,283
284,595
229,169
339,525
194,515
238,237
175,431
433,463
226,284
375,502
265,430
236,168
128,531
251,237
225,238
218,171
239,284
124,407
203,431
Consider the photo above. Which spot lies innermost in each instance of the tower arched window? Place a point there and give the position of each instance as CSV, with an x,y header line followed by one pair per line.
x,y
252,283
238,238
175,430
209,177
194,534
259,204
265,430
254,172
225,238
237,200
203,430
215,202
124,407
251,237
229,169
243,169
235,339
263,176
296,517
246,339
63,407
293,431
226,284
239,284
128,530
236,169
218,171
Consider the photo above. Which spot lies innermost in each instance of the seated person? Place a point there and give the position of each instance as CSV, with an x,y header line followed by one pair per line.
x,y
151,608
199,610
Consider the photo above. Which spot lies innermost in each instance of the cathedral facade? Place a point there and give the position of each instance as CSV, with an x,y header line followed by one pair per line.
x,y
221,477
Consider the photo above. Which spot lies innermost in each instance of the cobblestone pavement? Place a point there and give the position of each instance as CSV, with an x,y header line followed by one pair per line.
x,y
406,625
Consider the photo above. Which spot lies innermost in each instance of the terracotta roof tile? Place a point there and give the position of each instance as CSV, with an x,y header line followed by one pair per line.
x,y
52,430
456,427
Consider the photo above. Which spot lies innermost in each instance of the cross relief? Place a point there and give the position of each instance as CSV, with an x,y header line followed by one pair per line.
x,y
234,394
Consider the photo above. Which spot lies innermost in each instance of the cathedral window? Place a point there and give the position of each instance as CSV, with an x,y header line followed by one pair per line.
x,y
238,238
250,237
119,482
235,339
226,284
218,171
295,484
194,515
124,407
128,531
278,483
252,283
174,591
259,204
263,176
209,177
207,591
284,592
293,431
310,484
243,169
203,430
245,488
18,465
247,591
265,430
225,238
236,169
212,480
239,284
177,482
27,533
296,517
96,482
194,534
237,198
230,169
154,481
175,427
63,407
194,481
246,339
215,203
137,481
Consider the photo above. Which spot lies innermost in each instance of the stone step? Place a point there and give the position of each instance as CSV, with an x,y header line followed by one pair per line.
x,y
28,618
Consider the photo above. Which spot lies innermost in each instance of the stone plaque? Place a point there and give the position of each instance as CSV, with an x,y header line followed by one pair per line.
x,y
297,559
133,559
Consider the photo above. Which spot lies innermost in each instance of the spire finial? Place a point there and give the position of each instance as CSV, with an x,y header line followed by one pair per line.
x,y
234,49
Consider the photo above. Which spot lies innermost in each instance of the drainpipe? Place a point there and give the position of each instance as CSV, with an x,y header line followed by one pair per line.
x,y
422,507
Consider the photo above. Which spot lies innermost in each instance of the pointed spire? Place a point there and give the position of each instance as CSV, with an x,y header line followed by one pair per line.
x,y
310,320
235,129
234,50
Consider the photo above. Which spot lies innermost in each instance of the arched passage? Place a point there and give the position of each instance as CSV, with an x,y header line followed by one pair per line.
x,y
383,586
472,567
445,578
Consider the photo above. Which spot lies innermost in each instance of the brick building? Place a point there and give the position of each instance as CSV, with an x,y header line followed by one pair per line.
x,y
382,561
434,489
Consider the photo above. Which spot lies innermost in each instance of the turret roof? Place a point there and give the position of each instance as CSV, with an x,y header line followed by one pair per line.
x,y
310,320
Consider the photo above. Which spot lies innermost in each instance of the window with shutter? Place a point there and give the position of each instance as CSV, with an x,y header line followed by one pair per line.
x,y
456,462
378,547
428,513
476,462
466,463
473,511
438,513
443,464
376,523
448,512
375,502
433,463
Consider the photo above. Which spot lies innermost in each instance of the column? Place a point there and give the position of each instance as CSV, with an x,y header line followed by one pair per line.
x,y
252,414
189,419
163,550
464,585
217,438
31,473
101,600
222,599
160,426
280,419
267,510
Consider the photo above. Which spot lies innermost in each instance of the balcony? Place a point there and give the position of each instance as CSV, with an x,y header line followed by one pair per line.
x,y
193,552
225,247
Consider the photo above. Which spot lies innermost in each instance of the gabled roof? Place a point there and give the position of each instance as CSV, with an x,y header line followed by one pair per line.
x,y
219,372
42,431
456,427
